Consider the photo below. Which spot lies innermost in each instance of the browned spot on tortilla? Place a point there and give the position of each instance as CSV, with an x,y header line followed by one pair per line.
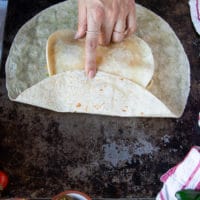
x,y
101,90
142,113
98,106
78,105
124,110
121,79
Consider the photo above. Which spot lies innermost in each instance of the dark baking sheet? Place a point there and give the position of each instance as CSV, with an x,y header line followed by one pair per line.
x,y
45,152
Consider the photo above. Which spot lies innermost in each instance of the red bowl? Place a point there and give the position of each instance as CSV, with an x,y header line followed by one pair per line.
x,y
73,194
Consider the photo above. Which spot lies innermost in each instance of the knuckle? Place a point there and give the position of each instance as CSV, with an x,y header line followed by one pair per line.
x,y
91,44
114,12
122,14
130,4
126,6
97,13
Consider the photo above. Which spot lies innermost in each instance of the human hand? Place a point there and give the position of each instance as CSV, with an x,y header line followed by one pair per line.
x,y
103,21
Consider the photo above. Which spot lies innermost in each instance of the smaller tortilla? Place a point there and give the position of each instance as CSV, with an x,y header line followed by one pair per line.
x,y
131,59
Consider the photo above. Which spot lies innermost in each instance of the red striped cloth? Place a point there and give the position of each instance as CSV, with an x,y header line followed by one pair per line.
x,y
198,9
185,175
195,14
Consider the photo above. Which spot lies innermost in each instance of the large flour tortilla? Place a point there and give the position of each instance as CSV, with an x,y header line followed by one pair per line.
x,y
28,82
131,59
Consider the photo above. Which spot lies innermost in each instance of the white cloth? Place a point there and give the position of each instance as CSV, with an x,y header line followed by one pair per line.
x,y
185,175
195,14
3,8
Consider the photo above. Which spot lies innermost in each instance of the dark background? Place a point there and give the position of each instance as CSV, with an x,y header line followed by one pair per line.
x,y
45,152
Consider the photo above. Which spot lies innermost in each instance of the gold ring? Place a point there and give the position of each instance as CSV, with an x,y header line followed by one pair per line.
x,y
93,32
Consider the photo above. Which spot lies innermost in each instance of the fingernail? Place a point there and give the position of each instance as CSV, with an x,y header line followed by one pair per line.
x,y
91,74
76,36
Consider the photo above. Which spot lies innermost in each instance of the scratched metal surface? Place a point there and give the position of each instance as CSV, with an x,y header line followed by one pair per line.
x,y
45,152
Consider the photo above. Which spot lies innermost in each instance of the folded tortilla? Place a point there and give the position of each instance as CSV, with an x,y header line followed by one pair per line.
x,y
106,94
110,92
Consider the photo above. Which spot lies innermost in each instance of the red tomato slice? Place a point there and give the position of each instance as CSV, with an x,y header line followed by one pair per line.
x,y
3,180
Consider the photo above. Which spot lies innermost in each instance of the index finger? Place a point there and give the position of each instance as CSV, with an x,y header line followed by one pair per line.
x,y
94,19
